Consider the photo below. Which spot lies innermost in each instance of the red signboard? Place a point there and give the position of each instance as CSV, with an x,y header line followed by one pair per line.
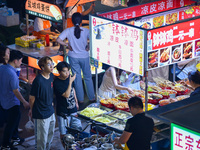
x,y
145,9
173,34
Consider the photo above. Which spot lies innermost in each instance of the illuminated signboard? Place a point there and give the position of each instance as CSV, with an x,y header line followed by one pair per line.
x,y
117,44
145,9
32,62
184,139
43,10
73,2
174,43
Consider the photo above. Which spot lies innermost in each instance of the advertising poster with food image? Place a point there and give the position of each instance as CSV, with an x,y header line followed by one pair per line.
x,y
197,47
176,53
164,56
158,21
144,23
171,18
153,59
187,50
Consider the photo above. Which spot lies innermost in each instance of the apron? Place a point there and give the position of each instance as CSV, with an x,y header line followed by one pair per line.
x,y
69,20
46,26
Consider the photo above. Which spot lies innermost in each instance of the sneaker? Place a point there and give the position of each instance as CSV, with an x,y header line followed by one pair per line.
x,y
17,141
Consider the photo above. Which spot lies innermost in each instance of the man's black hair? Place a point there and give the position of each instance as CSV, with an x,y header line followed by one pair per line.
x,y
62,65
14,54
135,102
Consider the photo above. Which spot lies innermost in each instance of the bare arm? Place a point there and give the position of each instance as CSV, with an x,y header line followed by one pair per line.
x,y
123,138
66,94
86,12
20,97
61,42
76,99
114,78
44,32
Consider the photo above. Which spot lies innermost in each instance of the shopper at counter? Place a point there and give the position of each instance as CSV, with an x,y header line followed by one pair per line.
x,y
42,27
10,99
110,84
67,103
138,130
79,56
194,80
41,99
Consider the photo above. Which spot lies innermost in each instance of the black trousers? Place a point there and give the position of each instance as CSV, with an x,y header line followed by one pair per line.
x,y
12,124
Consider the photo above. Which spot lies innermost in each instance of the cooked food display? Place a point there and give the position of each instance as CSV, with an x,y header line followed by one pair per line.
x,y
156,96
182,97
164,57
122,105
158,21
153,57
117,125
167,92
91,111
164,102
187,50
171,18
123,97
121,115
177,53
102,119
146,25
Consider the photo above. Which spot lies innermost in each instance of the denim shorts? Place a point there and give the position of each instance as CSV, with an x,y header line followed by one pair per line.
x,y
73,123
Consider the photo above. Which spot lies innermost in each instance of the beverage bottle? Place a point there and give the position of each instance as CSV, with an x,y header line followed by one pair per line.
x,y
47,39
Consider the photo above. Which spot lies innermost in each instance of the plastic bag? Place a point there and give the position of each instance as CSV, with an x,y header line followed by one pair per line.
x,y
29,126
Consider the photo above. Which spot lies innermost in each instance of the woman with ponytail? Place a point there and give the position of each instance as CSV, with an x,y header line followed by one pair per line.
x,y
79,56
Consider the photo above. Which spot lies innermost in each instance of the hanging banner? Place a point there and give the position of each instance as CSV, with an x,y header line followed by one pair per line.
x,y
43,10
183,138
174,43
73,2
117,44
146,9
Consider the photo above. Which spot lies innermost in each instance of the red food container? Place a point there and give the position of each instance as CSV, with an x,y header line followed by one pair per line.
x,y
168,88
124,109
153,101
107,105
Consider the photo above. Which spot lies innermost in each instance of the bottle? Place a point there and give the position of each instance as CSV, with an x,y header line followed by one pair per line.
x,y
47,39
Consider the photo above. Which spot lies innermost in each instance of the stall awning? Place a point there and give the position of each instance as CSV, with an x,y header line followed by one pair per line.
x,y
73,2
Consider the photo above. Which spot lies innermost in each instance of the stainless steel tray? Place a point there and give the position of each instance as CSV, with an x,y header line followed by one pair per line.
x,y
112,119
124,113
108,110
118,125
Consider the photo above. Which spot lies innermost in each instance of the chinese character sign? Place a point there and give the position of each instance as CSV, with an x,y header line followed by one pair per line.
x,y
184,139
172,44
145,9
43,10
117,44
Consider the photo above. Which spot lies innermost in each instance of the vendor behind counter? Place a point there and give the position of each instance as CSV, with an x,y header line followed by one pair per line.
x,y
42,27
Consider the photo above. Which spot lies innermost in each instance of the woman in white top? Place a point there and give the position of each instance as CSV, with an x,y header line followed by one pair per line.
x,y
109,84
79,56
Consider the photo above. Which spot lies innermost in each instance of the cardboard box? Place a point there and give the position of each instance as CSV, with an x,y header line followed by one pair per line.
x,y
9,20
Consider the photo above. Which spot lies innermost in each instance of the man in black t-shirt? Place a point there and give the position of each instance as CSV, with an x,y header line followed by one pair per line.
x,y
139,129
66,99
41,100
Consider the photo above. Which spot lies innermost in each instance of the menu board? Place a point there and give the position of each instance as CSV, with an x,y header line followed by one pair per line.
x,y
43,10
117,44
183,138
174,43
146,9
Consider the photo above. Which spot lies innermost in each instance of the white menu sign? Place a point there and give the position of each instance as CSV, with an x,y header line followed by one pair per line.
x,y
117,44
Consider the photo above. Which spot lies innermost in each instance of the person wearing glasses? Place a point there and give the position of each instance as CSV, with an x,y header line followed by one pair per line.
x,y
41,104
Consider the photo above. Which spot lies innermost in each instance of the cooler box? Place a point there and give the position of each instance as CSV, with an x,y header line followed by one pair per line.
x,y
9,20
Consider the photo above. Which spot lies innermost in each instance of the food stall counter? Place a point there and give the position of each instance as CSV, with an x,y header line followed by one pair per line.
x,y
36,53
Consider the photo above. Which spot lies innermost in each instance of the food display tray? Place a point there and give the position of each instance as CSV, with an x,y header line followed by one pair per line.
x,y
113,119
116,126
108,110
122,112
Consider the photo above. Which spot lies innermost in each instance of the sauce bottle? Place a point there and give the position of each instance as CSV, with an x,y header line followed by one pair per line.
x,y
47,39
